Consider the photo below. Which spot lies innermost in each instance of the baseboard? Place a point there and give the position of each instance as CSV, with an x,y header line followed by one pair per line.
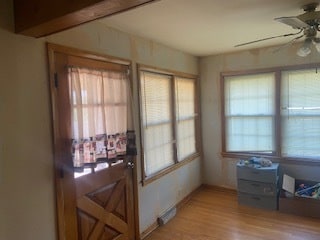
x,y
179,205
149,230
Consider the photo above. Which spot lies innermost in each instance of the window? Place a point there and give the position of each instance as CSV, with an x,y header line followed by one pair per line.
x,y
157,122
186,117
300,112
249,113
169,121
276,114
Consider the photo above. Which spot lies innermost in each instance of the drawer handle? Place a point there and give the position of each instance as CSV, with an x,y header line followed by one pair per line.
x,y
256,172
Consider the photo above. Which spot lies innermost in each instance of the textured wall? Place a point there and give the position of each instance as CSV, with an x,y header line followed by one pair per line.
x,y
26,173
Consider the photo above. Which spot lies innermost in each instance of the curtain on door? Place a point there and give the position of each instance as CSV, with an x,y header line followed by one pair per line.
x,y
99,100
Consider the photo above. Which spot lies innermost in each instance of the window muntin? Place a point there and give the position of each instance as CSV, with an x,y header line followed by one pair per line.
x,y
169,120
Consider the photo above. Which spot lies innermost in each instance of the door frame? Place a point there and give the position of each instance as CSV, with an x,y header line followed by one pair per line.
x,y
62,209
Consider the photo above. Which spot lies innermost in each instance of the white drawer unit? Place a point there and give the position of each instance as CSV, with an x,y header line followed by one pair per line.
x,y
258,186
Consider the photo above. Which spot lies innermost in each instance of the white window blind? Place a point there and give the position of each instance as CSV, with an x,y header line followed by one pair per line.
x,y
300,112
157,120
249,113
186,117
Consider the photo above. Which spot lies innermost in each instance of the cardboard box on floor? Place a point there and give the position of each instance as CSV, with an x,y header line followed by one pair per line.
x,y
289,203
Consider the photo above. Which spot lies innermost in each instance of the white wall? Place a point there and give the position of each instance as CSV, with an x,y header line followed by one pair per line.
x,y
221,171
27,204
26,180
165,193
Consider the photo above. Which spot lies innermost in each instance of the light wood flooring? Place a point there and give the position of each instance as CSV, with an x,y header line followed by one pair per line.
x,y
213,214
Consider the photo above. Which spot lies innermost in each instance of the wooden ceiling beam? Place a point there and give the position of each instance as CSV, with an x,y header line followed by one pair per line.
x,y
38,18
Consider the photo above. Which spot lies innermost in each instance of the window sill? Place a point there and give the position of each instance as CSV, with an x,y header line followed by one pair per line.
x,y
284,160
169,169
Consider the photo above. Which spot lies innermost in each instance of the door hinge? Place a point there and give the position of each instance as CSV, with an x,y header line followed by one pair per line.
x,y
56,80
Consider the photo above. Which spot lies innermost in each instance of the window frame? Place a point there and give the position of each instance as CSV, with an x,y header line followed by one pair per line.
x,y
198,152
272,116
276,155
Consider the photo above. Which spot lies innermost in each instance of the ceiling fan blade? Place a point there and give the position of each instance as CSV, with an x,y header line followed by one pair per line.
x,y
309,16
268,38
288,43
293,22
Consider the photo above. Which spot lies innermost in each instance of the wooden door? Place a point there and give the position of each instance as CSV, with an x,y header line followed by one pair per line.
x,y
99,204
103,204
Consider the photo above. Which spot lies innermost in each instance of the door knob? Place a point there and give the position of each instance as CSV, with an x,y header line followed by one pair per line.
x,y
130,165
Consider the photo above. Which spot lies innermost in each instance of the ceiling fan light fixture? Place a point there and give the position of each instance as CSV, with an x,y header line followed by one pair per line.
x,y
308,25
305,49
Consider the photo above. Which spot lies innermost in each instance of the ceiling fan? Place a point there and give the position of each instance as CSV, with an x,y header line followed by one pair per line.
x,y
308,25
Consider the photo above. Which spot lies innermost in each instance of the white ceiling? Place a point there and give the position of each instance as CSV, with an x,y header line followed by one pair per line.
x,y
208,27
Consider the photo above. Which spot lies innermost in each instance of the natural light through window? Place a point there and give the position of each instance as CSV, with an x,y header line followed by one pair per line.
x,y
249,112
169,120
276,113
300,111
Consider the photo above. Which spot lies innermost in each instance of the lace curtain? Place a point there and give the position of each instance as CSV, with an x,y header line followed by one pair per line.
x,y
99,114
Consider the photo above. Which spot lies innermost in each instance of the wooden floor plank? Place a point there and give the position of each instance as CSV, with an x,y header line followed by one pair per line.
x,y
215,215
